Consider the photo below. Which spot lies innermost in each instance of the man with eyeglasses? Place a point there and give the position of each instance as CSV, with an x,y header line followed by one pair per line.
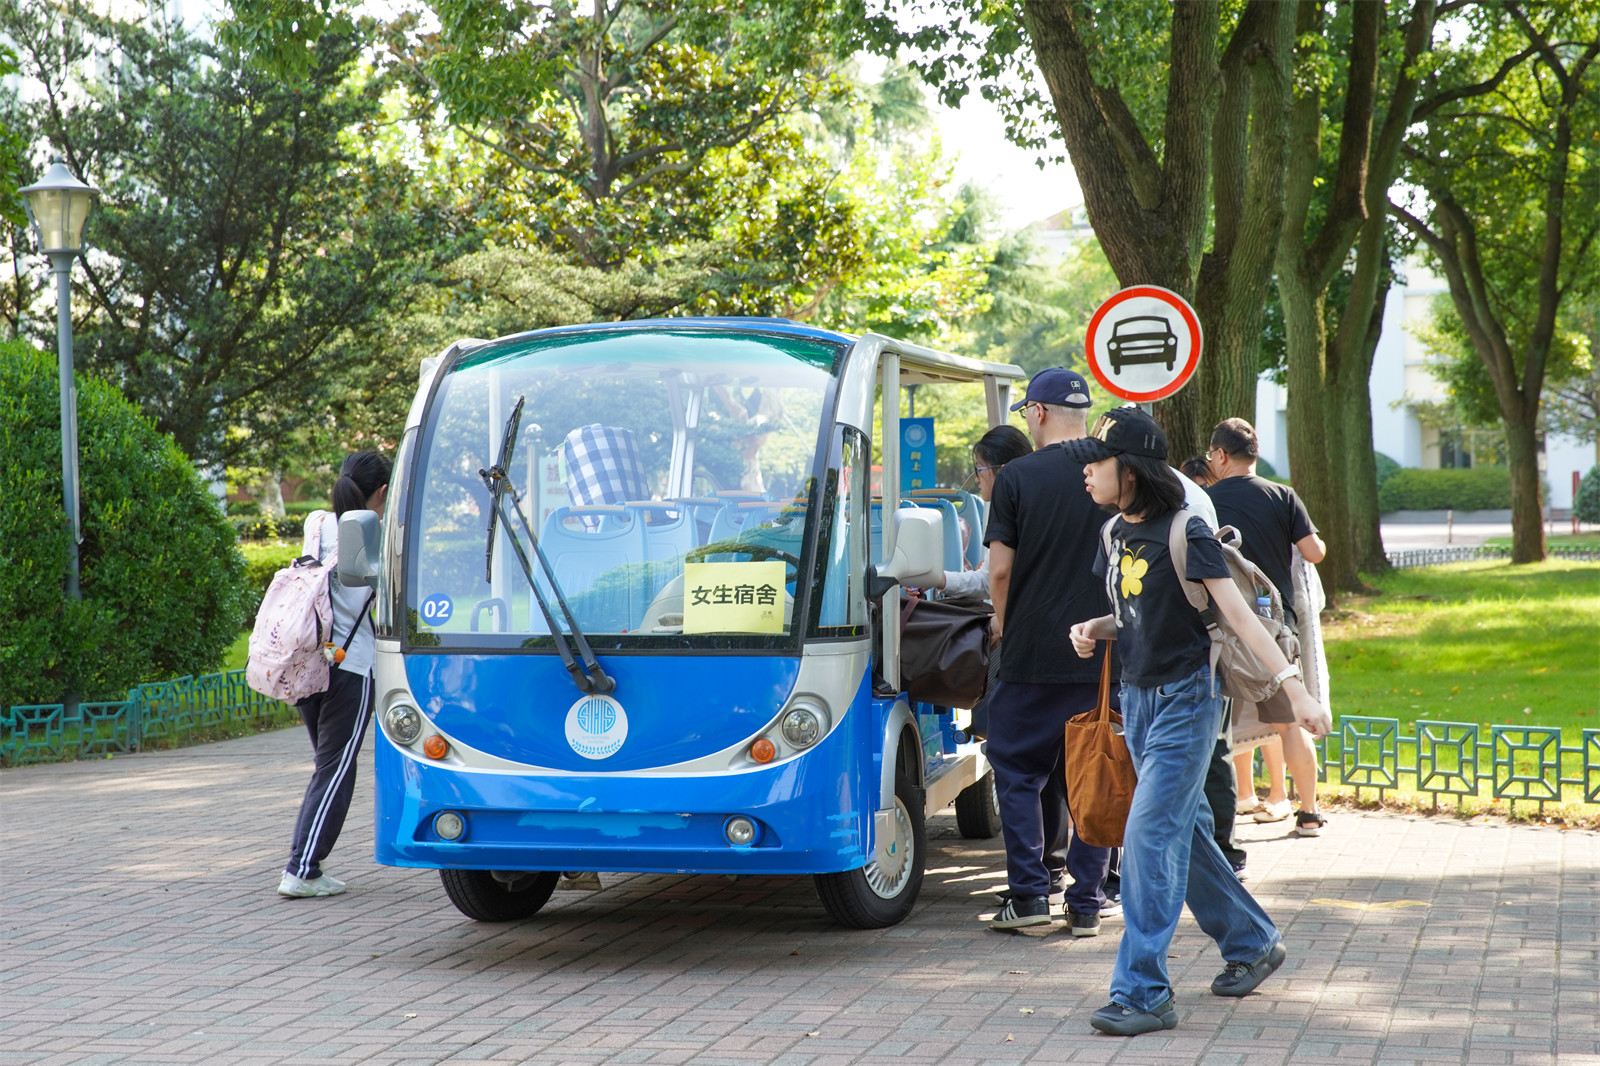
x,y
1042,535
1273,523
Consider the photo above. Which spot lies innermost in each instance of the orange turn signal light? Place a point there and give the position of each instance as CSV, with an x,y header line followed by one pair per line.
x,y
763,750
435,747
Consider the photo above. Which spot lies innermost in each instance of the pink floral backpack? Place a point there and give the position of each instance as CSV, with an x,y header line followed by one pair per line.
x,y
295,623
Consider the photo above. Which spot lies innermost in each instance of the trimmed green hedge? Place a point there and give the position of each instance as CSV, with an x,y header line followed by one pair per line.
x,y
1387,467
1483,488
265,527
160,574
1586,504
261,562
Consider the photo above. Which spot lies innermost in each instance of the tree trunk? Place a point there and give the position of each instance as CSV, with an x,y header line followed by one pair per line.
x,y
1360,464
272,494
1314,437
1527,517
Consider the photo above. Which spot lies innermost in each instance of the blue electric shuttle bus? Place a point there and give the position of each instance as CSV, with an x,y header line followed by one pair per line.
x,y
637,610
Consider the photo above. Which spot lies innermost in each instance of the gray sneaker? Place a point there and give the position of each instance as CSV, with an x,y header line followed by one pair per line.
x,y
1118,1020
1242,978
299,888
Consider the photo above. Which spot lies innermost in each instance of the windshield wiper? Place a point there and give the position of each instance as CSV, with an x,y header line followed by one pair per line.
x,y
590,676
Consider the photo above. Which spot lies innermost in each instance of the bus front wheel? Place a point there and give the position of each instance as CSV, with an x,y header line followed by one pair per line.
x,y
876,896
482,897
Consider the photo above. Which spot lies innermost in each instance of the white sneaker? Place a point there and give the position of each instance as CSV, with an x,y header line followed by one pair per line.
x,y
1247,806
299,888
1275,812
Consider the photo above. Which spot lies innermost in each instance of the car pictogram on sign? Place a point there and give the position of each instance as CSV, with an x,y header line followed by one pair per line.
x,y
1143,343
1142,339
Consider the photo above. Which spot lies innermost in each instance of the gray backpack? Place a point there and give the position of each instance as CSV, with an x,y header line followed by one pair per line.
x,y
1240,673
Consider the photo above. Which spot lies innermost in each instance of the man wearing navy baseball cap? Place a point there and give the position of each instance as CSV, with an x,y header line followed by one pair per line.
x,y
1056,386
1043,535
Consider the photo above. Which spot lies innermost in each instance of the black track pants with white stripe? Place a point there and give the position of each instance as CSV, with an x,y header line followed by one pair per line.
x,y
337,721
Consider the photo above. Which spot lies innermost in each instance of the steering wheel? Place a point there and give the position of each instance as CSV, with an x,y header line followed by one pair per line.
x,y
757,552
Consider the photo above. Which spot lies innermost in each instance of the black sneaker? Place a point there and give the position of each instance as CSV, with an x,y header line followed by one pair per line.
x,y
1018,913
1242,978
1118,1020
1083,924
1309,823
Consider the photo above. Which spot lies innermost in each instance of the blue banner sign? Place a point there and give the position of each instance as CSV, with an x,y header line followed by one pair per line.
x,y
916,454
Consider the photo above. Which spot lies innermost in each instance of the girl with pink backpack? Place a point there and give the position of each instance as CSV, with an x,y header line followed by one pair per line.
x,y
337,717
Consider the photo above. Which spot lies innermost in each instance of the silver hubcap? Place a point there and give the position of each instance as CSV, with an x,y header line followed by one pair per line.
x,y
887,880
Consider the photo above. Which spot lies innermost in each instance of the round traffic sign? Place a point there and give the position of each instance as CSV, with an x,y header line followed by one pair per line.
x,y
1143,343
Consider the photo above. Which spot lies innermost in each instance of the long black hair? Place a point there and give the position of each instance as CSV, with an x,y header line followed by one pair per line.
x,y
1001,445
360,478
1156,488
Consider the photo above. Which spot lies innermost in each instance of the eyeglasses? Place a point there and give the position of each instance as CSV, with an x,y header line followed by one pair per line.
x,y
980,469
1215,454
1032,403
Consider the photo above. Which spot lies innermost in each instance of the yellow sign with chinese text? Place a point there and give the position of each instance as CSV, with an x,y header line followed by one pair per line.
x,y
733,597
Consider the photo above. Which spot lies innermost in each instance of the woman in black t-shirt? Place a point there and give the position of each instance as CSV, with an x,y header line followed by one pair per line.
x,y
1171,715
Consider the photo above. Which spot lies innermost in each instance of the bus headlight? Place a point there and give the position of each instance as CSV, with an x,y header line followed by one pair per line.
x,y
801,727
404,723
450,825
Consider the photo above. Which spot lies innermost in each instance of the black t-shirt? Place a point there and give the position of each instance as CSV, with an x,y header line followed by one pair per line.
x,y
1160,637
1270,518
1041,509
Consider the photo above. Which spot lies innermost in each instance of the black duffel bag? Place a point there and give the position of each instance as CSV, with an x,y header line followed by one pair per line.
x,y
944,652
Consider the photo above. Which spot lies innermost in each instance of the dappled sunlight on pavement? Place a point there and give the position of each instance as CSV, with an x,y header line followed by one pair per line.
x,y
141,926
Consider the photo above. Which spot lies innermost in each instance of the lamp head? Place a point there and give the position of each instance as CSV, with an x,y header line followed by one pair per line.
x,y
58,206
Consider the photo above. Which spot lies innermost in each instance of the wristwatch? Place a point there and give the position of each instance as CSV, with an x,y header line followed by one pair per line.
x,y
1292,670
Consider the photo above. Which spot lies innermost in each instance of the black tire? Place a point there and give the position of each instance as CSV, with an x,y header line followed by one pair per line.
x,y
851,899
483,899
978,809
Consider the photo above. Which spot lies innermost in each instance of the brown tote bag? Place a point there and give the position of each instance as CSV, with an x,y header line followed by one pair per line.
x,y
1100,776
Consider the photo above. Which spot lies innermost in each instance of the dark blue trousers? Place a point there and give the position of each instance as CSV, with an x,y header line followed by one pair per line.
x,y
1026,747
337,721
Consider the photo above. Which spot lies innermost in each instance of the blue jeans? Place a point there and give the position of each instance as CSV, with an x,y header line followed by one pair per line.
x,y
1169,854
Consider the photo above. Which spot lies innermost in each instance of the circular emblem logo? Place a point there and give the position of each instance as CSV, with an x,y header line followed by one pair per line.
x,y
596,727
916,435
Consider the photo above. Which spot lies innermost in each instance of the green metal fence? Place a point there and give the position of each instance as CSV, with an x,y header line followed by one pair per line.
x,y
1460,759
163,711
1438,759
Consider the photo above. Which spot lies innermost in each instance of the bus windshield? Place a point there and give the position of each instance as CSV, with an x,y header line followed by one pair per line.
x,y
669,472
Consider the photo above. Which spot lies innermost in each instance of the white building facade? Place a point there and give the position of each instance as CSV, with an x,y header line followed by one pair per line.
x,y
1401,379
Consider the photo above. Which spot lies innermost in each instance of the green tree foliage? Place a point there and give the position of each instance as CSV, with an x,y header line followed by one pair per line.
x,y
243,228
605,125
1358,75
862,230
1507,158
1176,121
160,575
13,147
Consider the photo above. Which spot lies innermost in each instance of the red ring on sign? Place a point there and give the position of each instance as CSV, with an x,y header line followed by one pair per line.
x,y
1171,299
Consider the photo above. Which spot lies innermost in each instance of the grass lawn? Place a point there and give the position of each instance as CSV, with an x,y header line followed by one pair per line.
x,y
1586,541
1483,642
238,652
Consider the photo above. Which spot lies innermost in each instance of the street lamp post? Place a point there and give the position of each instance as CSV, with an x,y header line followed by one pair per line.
x,y
58,206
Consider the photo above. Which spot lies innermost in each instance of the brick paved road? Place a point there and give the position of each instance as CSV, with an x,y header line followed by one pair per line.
x,y
141,926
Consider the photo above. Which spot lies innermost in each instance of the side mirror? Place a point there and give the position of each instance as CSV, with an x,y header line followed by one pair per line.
x,y
918,548
360,548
